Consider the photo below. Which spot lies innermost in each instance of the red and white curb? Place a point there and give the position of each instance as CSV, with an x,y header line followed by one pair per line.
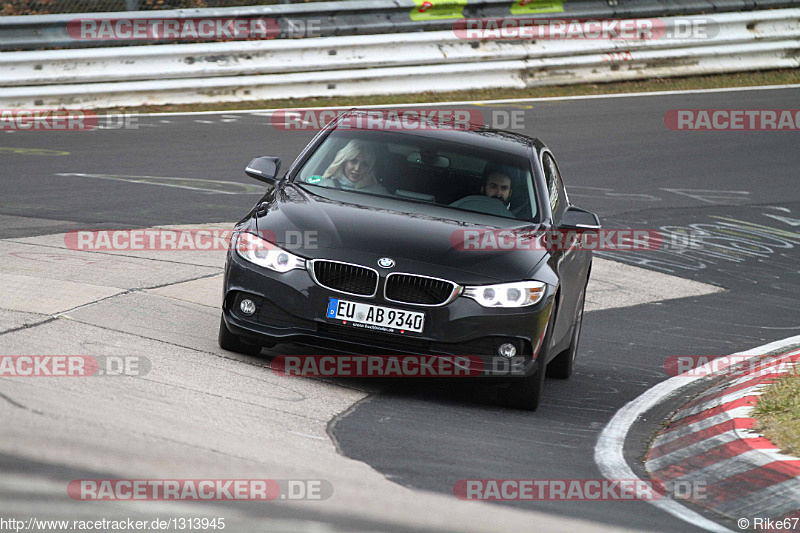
x,y
710,441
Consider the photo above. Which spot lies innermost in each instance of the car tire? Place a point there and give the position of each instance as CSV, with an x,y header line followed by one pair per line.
x,y
526,393
234,343
562,365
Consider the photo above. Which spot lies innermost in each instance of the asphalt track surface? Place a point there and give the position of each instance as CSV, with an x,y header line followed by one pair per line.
x,y
738,189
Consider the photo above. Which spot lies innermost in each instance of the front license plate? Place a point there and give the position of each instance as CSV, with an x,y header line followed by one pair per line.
x,y
375,316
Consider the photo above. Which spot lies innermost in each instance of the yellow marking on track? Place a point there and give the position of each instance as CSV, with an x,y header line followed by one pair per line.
x,y
31,151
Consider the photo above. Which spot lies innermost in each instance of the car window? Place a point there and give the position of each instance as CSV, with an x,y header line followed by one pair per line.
x,y
421,169
555,186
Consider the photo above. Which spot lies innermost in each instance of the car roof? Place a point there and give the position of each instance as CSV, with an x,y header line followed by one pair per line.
x,y
475,134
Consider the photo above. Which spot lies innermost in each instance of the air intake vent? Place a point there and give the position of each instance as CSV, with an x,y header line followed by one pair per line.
x,y
344,277
421,290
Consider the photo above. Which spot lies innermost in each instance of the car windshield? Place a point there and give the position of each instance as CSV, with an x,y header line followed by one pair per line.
x,y
421,169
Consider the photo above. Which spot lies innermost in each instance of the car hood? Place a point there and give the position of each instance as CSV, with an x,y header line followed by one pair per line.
x,y
320,223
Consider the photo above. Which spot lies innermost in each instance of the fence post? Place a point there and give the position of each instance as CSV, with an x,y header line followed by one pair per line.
x,y
131,5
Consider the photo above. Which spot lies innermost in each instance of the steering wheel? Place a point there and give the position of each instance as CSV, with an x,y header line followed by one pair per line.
x,y
483,204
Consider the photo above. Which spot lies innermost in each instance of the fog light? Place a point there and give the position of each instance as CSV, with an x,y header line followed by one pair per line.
x,y
507,350
247,306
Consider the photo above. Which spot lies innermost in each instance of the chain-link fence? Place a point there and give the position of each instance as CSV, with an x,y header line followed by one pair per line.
x,y
41,7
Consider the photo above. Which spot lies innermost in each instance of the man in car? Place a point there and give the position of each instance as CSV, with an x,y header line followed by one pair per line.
x,y
497,185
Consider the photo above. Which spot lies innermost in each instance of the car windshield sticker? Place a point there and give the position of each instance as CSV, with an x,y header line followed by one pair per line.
x,y
313,179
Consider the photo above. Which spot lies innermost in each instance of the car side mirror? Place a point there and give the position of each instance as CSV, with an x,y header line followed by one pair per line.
x,y
577,219
264,168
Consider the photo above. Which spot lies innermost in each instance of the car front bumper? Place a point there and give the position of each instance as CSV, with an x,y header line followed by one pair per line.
x,y
291,307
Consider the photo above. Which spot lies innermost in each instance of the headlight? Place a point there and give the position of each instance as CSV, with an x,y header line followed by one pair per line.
x,y
263,253
517,294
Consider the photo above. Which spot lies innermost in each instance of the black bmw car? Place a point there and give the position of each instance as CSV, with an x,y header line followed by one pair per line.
x,y
413,241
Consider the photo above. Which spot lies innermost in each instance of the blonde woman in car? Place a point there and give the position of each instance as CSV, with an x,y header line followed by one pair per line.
x,y
353,168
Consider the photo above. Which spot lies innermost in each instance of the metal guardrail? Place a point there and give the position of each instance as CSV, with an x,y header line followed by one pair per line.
x,y
383,64
242,58
362,17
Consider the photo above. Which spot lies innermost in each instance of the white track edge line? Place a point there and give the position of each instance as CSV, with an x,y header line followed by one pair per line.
x,y
471,102
608,452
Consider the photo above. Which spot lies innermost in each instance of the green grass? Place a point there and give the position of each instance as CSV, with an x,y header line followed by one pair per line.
x,y
778,413
744,79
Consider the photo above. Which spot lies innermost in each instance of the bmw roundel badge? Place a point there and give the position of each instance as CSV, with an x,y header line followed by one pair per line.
x,y
385,262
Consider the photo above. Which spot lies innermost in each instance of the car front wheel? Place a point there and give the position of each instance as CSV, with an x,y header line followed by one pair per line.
x,y
562,365
234,343
526,393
